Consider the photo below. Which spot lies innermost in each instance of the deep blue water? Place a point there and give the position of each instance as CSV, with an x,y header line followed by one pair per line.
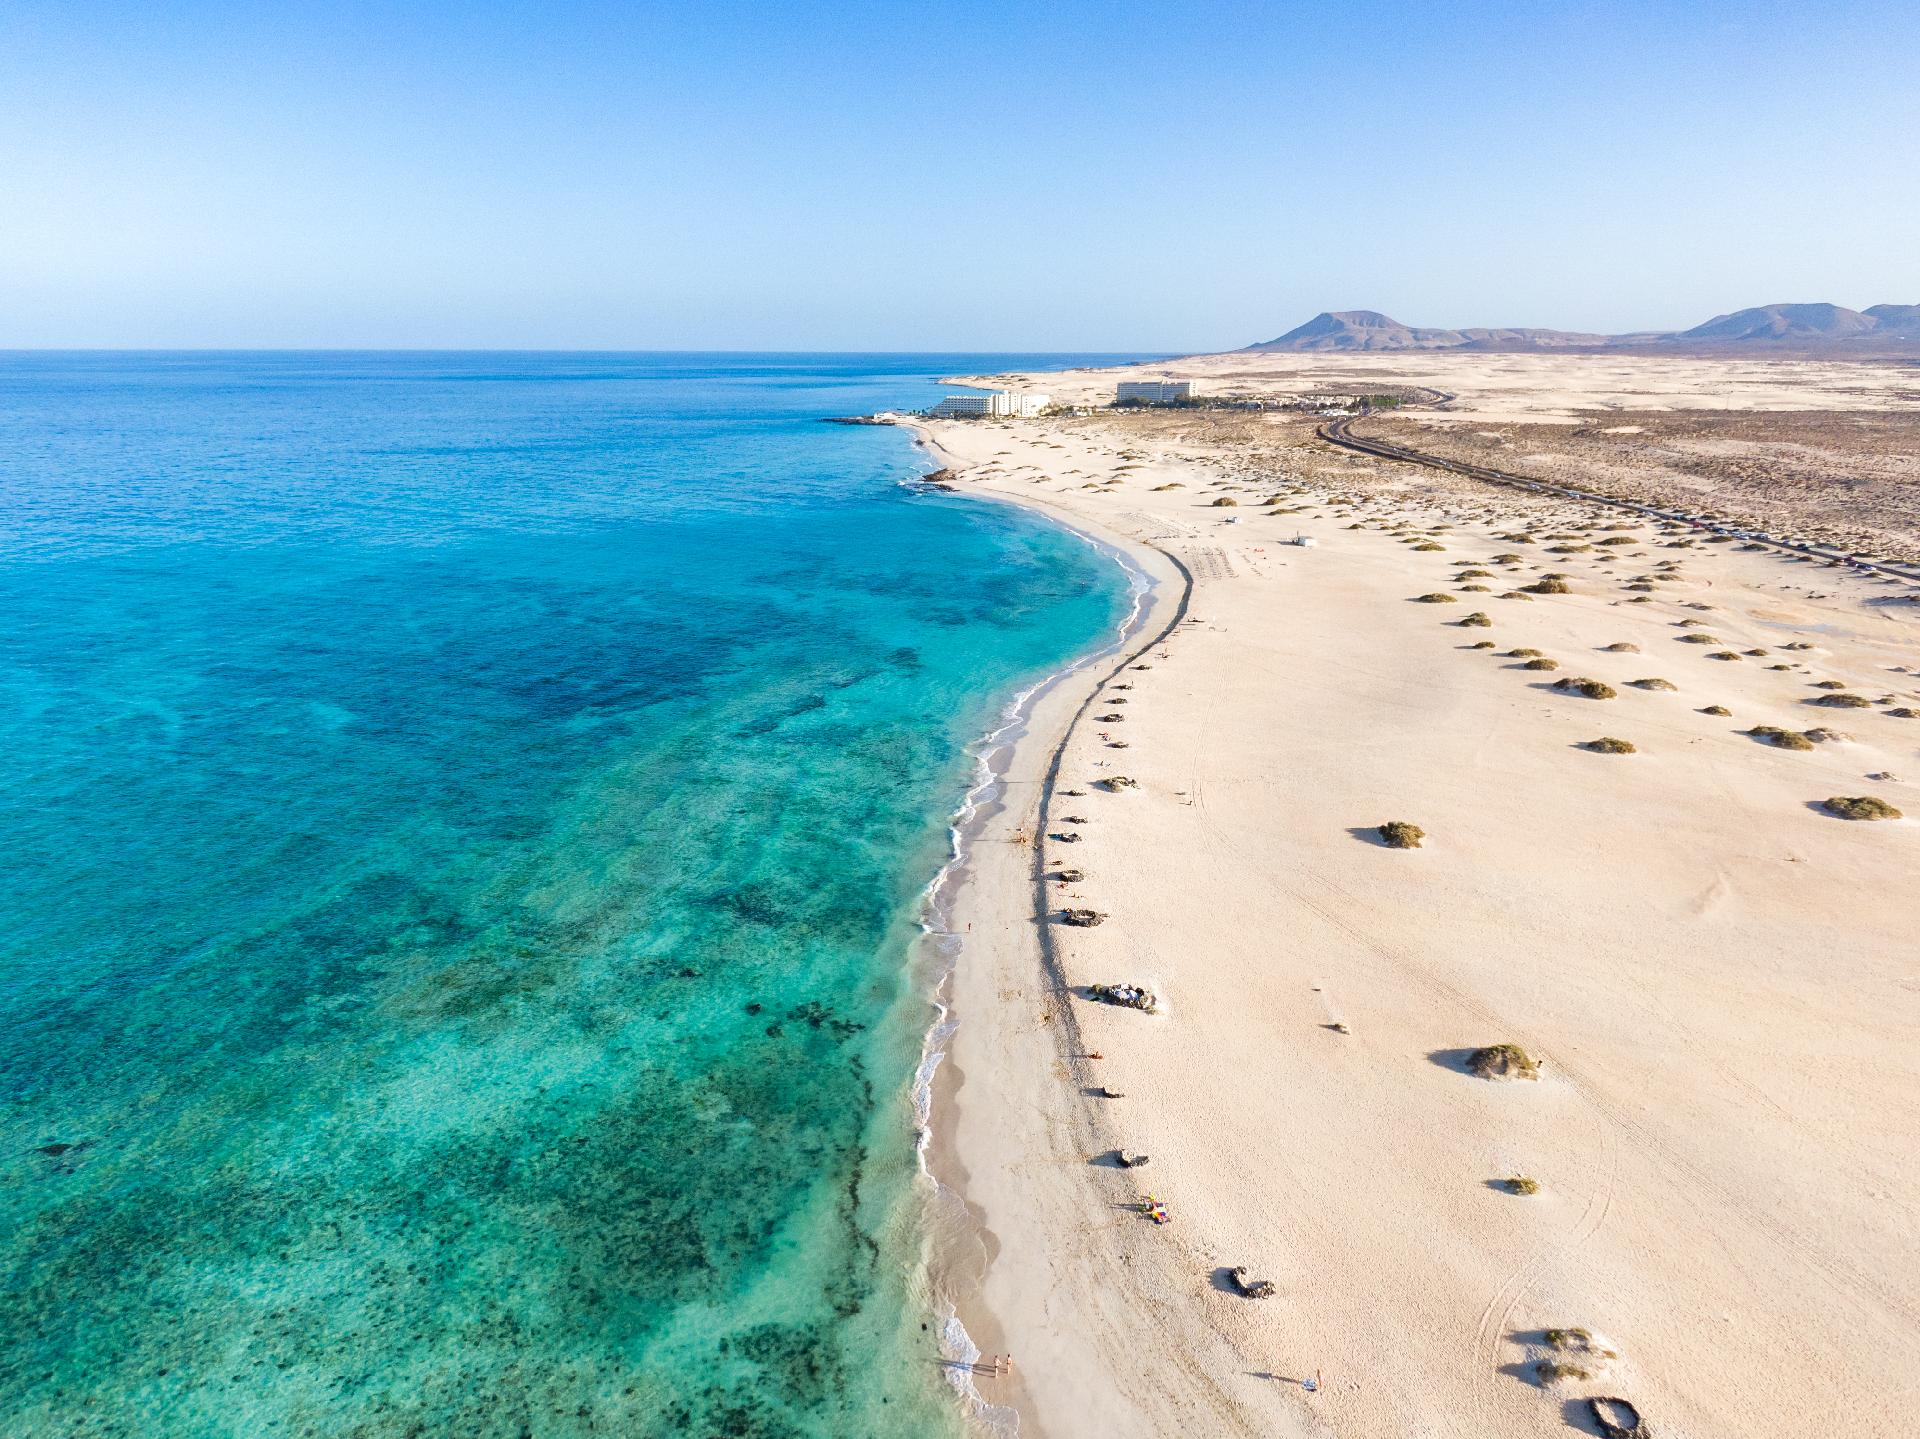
x,y
462,820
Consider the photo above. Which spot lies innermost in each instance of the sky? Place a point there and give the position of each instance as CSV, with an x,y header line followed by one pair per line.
x,y
1050,175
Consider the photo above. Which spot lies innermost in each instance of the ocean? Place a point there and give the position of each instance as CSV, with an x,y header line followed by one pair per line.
x,y
463,827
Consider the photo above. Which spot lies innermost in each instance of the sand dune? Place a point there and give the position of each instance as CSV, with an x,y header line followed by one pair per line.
x,y
1716,974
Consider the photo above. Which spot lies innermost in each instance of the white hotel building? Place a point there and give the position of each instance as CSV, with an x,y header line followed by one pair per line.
x,y
1153,392
994,404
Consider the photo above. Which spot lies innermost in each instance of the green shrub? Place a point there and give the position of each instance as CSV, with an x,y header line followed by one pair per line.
x,y
1780,738
1436,598
1860,806
1476,621
1549,1370
1591,689
1399,834
1503,1061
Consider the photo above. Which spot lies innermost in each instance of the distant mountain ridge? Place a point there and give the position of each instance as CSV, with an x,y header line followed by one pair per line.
x,y
1811,326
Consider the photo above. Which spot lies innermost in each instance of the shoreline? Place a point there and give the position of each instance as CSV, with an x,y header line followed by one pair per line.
x,y
1037,726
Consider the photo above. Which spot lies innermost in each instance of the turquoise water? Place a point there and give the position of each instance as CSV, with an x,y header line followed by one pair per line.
x,y
462,819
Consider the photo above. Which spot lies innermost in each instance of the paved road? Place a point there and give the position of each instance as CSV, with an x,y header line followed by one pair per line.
x,y
1337,432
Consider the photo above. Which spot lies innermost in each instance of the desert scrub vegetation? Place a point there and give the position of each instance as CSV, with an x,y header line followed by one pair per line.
x,y
1549,1370
1508,559
1473,575
1654,683
1436,598
1481,645
1503,1061
1859,806
1621,647
1224,501
1779,738
1399,834
1727,656
1427,547
1841,701
1589,688
1516,595
1721,710
1607,744
1522,1184
1576,1355
1475,590
1697,637
1475,621
1576,1341
1523,654
1540,662
1547,587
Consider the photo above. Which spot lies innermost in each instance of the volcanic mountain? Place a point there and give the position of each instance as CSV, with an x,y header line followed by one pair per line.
x,y
1785,327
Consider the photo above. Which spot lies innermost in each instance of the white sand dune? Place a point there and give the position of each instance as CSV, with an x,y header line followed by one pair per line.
x,y
1722,981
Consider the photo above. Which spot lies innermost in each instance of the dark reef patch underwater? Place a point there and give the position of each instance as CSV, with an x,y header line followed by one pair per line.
x,y
462,820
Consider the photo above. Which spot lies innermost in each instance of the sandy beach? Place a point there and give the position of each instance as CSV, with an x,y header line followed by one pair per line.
x,y
1714,973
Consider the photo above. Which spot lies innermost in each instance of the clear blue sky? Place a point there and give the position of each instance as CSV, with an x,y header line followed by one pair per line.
x,y
1038,175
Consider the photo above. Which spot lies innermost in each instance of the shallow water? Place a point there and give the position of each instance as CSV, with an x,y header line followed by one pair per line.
x,y
462,819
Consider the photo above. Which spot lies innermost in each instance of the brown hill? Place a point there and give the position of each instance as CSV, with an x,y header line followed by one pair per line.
x,y
1808,327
